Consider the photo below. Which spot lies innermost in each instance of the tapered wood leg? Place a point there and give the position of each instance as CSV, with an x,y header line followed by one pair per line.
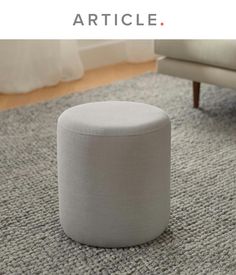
x,y
196,94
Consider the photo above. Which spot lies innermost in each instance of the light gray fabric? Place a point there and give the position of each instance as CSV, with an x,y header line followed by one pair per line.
x,y
217,53
197,72
113,119
114,172
200,237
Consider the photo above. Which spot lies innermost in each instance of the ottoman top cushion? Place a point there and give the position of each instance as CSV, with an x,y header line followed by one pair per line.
x,y
113,118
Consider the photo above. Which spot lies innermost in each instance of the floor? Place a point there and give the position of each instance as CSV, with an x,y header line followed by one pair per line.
x,y
93,78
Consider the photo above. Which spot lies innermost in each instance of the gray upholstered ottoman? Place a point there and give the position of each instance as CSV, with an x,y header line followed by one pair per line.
x,y
114,172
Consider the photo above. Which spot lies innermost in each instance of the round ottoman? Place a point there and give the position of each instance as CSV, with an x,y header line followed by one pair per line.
x,y
113,172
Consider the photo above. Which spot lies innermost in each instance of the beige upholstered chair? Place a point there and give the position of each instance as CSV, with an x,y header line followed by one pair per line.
x,y
209,61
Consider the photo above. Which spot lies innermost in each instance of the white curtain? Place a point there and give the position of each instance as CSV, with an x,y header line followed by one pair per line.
x,y
26,65
29,64
139,50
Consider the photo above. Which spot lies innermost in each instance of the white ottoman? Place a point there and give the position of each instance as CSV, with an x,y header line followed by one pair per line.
x,y
114,172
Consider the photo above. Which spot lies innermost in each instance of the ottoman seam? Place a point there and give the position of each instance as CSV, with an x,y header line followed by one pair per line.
x,y
99,135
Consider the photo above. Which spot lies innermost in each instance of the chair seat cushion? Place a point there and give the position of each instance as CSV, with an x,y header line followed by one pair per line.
x,y
217,53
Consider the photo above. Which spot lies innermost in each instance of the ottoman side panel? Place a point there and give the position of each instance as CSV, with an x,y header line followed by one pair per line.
x,y
114,191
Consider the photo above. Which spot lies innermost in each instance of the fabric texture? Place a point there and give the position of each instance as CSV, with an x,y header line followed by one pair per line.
x,y
114,172
200,237
217,53
113,118
198,72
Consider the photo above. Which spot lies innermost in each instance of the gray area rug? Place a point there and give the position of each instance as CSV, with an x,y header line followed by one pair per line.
x,y
200,238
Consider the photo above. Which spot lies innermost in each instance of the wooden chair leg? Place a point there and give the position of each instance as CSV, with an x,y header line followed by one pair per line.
x,y
196,94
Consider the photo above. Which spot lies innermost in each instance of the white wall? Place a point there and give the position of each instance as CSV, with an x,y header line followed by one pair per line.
x,y
98,53
91,42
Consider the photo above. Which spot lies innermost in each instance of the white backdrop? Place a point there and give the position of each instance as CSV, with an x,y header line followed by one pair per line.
x,y
26,65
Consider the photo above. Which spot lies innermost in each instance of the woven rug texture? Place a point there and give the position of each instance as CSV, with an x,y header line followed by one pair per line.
x,y
200,238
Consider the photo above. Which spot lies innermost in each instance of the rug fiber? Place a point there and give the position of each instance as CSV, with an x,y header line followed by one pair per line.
x,y
200,238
